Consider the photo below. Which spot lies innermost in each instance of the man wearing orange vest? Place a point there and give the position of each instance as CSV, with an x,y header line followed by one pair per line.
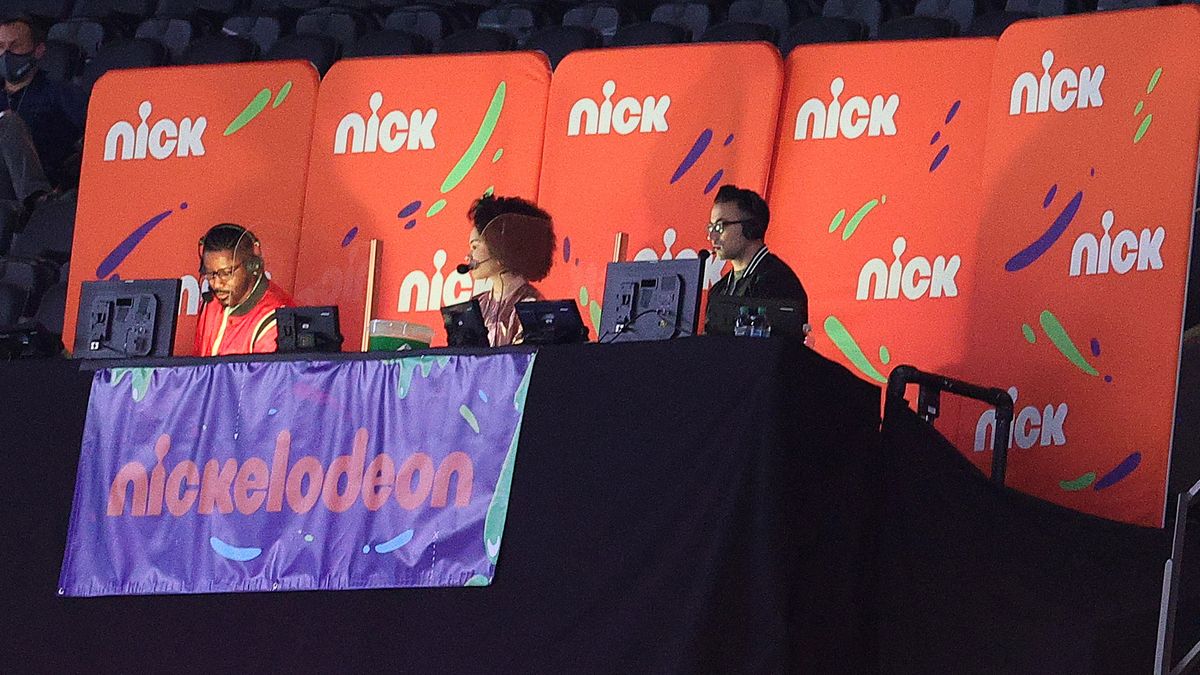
x,y
242,320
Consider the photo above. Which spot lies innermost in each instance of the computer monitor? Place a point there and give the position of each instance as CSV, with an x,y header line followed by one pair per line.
x,y
464,325
551,322
307,329
786,316
127,318
652,300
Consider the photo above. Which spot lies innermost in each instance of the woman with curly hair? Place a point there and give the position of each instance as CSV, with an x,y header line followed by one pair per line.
x,y
512,244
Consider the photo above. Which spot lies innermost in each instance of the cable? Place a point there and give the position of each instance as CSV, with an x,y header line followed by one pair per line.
x,y
628,325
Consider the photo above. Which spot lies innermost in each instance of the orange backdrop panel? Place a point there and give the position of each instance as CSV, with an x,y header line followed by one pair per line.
x,y
879,155
1089,183
170,152
401,148
638,140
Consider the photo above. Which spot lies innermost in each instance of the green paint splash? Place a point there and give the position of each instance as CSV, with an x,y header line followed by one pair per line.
x,y
486,128
592,306
139,380
469,417
583,295
256,106
282,95
858,216
837,220
1079,483
1153,81
493,523
1141,131
499,153
885,356
478,580
845,342
409,367
1058,335
1030,336
490,191
436,208
1137,109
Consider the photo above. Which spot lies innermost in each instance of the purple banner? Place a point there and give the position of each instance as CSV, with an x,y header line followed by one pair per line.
x,y
295,475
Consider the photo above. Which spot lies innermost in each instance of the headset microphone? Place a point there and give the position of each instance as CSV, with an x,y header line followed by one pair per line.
x,y
464,268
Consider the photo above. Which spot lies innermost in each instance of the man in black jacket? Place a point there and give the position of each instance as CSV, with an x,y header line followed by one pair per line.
x,y
736,230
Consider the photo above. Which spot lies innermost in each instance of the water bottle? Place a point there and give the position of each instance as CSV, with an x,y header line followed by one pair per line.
x,y
759,326
741,327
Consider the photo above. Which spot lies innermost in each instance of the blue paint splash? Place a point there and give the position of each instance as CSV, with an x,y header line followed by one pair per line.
x,y
1050,194
1029,255
1122,470
566,249
123,249
410,224
1095,344
953,111
409,210
728,140
936,136
693,155
395,542
712,182
941,156
238,553
349,236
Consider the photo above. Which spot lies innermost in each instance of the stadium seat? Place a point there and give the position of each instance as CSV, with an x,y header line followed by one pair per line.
x,y
695,17
650,33
1107,5
472,40
736,31
224,7
219,49
262,30
773,13
962,12
918,28
135,53
345,26
995,23
126,10
430,22
320,50
558,41
517,20
867,12
176,9
389,43
13,299
174,34
49,232
50,10
12,219
52,308
61,61
820,29
603,17
86,34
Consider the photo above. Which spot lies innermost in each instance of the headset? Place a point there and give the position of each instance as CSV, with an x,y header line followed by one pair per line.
x,y
752,229
472,263
253,263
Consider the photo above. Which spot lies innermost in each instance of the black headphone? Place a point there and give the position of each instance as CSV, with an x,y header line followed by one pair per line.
x,y
253,263
751,229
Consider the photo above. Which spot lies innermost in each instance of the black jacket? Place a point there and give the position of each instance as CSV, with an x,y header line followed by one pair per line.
x,y
766,277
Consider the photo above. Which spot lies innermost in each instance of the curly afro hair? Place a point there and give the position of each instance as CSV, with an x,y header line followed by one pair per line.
x,y
518,233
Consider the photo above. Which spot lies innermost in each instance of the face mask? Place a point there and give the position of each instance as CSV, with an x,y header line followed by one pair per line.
x,y
16,67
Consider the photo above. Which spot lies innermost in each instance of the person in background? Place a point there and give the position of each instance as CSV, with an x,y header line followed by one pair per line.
x,y
22,181
737,229
242,318
53,111
512,244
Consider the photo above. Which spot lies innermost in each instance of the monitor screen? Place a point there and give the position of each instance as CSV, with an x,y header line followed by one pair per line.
x,y
127,318
464,325
307,329
651,300
551,322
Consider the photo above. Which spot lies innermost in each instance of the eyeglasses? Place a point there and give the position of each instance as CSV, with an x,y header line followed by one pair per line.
x,y
719,226
224,275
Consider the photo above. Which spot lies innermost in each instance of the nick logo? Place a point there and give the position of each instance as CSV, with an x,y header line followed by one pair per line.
x,y
159,140
1065,90
420,292
626,116
394,132
916,278
851,119
1044,426
1120,253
